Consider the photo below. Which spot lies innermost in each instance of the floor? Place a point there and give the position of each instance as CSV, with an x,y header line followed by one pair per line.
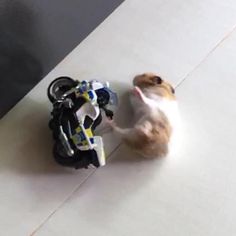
x,y
192,191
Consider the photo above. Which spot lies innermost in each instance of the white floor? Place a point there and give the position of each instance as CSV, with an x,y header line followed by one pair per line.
x,y
192,192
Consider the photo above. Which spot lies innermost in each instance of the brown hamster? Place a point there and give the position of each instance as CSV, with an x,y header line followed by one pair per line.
x,y
156,112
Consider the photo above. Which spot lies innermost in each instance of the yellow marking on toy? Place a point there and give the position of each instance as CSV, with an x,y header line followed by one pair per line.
x,y
78,129
85,95
89,133
77,138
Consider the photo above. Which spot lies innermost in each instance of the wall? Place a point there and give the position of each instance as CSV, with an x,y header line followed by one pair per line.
x,y
38,34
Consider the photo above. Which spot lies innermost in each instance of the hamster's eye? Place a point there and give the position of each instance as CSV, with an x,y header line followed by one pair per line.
x,y
172,90
158,80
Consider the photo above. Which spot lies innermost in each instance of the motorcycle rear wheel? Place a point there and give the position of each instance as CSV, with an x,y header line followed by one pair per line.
x,y
59,86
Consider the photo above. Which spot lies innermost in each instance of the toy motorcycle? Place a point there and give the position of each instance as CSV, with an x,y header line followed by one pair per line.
x,y
76,113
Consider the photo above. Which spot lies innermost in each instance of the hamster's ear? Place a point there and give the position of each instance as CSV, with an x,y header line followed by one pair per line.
x,y
157,80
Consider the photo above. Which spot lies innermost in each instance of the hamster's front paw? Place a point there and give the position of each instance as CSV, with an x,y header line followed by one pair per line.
x,y
110,123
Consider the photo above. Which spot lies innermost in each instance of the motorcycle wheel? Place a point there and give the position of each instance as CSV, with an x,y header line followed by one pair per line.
x,y
59,86
81,159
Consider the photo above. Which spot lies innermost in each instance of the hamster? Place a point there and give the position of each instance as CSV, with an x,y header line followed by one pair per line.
x,y
156,115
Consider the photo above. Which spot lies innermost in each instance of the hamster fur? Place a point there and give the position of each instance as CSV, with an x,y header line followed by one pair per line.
x,y
156,116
